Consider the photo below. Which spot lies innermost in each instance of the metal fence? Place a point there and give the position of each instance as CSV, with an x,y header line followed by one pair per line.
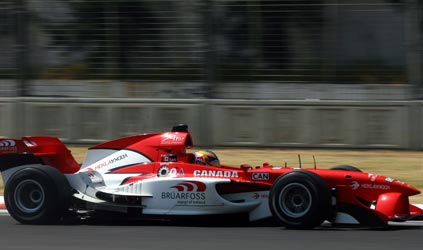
x,y
270,73
243,49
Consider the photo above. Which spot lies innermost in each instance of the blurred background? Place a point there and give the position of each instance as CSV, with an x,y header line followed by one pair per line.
x,y
262,73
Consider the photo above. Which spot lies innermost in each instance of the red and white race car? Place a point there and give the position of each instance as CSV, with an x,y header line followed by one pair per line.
x,y
152,175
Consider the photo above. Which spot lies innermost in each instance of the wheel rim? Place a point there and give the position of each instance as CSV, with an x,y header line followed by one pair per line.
x,y
29,196
295,200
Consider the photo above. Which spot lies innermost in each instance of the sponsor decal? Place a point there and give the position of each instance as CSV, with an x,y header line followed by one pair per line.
x,y
187,193
216,173
169,158
190,186
171,172
8,146
400,182
7,143
372,177
261,176
93,177
115,159
163,171
257,196
90,174
390,180
375,186
181,172
355,185
172,138
111,161
199,158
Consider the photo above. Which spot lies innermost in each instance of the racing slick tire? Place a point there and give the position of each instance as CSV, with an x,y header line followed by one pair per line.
x,y
37,194
300,200
346,168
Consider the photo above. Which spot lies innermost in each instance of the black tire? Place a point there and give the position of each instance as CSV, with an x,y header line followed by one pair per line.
x,y
300,200
37,194
346,168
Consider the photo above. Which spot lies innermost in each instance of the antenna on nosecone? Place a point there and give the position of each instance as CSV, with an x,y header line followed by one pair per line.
x,y
299,159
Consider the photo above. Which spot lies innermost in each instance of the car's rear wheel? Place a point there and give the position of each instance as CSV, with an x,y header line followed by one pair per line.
x,y
37,194
300,200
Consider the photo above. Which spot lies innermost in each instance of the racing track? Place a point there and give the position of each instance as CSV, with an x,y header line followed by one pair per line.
x,y
148,236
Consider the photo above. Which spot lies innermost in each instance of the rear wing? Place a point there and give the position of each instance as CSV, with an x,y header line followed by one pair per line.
x,y
49,150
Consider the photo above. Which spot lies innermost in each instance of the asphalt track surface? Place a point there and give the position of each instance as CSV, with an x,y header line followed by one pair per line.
x,y
142,235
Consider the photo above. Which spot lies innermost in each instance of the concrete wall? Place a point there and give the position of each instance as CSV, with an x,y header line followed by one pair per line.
x,y
314,124
335,124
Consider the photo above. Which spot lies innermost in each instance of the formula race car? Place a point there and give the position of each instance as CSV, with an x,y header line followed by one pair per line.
x,y
153,175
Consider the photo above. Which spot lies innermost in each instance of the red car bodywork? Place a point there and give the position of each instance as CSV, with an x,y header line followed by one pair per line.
x,y
370,198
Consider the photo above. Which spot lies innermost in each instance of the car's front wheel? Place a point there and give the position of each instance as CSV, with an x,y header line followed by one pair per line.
x,y
300,199
37,194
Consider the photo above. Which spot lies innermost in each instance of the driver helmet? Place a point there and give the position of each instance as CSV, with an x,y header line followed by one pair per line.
x,y
206,157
